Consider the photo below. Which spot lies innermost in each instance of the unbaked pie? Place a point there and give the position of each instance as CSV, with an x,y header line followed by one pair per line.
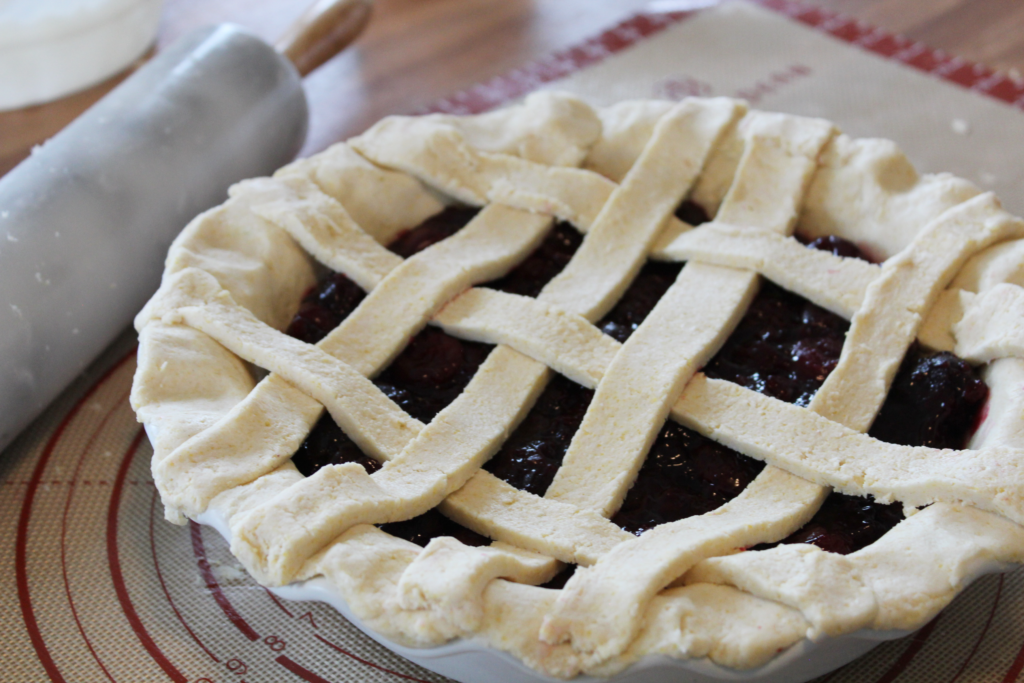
x,y
564,416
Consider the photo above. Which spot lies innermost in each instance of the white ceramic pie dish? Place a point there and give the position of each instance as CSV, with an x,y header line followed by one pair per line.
x,y
472,661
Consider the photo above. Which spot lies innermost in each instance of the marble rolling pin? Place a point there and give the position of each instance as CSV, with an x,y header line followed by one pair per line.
x,y
86,220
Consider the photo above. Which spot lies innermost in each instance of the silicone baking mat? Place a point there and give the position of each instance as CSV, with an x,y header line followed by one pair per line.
x,y
97,587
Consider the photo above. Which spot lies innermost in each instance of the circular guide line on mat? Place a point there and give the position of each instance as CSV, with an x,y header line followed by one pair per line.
x,y
163,584
278,603
118,576
232,614
72,485
917,642
984,632
367,663
213,586
24,518
299,670
1015,668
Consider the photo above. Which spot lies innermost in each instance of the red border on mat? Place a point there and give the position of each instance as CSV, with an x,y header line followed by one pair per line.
x,y
299,670
1015,667
278,602
501,89
912,53
984,632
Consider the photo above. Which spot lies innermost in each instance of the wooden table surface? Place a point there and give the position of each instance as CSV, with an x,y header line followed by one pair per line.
x,y
417,51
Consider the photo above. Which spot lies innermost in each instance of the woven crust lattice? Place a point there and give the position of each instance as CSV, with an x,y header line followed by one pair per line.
x,y
223,441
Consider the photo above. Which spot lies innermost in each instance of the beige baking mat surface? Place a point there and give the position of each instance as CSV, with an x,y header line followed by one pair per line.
x,y
97,587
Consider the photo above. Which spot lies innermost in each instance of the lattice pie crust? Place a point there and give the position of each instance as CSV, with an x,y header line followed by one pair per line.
x,y
952,276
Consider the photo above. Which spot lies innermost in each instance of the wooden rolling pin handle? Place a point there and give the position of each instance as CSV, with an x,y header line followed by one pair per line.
x,y
324,30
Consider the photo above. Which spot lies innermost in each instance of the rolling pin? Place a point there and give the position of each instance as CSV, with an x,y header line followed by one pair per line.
x,y
86,220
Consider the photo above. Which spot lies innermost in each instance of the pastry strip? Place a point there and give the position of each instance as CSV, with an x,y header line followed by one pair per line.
x,y
496,240
992,326
437,153
917,568
566,342
769,509
832,282
604,247
824,586
366,566
277,538
285,553
739,449
896,303
717,408
635,213
377,425
427,583
679,336
382,203
595,610
324,229
431,467
890,319
590,296
500,511
211,461
817,449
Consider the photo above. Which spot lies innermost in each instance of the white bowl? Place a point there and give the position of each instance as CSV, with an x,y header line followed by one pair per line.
x,y
51,48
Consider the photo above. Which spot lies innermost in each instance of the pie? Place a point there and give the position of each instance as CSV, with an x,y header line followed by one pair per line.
x,y
546,433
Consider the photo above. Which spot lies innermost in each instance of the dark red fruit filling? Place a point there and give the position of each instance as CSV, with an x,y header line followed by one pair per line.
x,y
530,457
837,246
844,524
784,347
432,370
692,213
547,261
934,401
432,230
328,445
643,294
432,524
685,474
324,307
559,580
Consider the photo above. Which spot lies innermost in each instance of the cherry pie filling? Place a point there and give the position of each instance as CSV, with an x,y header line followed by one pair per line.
x,y
784,347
